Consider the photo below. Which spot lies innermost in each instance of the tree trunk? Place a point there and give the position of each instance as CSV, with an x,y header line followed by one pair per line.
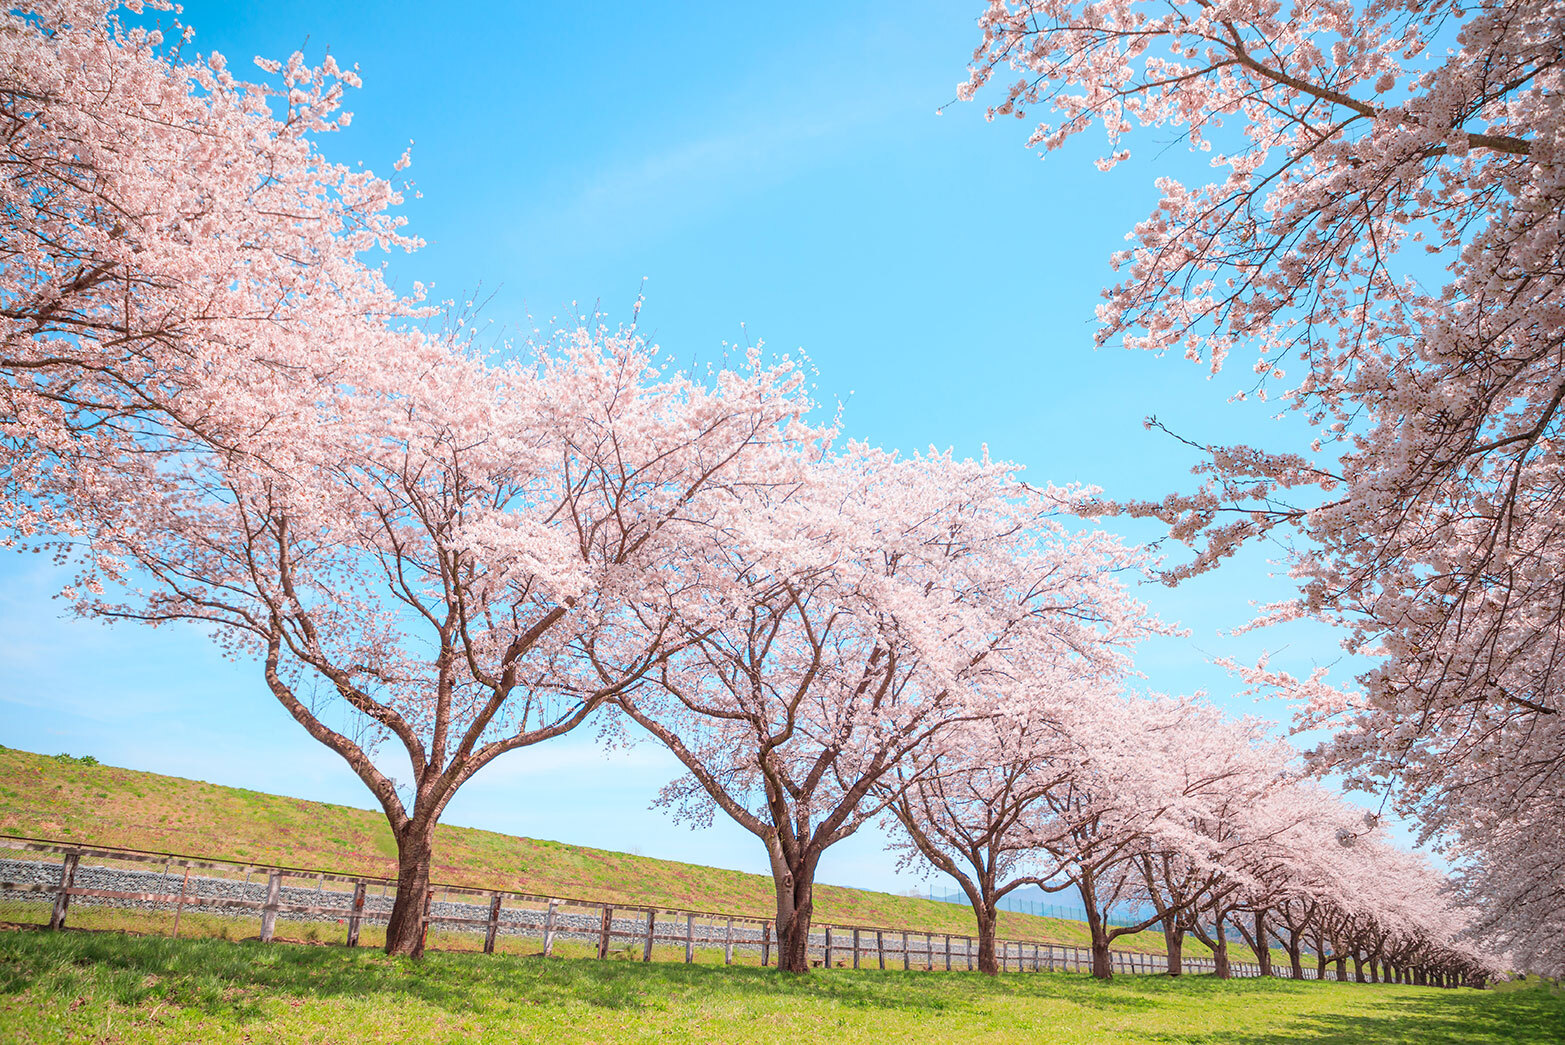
x,y
1174,941
1263,948
1101,967
405,930
1220,950
793,944
795,908
987,964
1320,962
1358,968
1295,958
1342,967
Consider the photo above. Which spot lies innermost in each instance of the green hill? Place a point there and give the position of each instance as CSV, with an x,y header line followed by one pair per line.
x,y
76,799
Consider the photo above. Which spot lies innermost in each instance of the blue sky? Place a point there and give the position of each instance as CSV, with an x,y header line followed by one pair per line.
x,y
776,177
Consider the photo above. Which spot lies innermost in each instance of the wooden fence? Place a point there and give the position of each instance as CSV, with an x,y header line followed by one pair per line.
x,y
352,900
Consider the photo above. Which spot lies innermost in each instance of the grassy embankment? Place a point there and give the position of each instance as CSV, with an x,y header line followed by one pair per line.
x,y
48,796
110,987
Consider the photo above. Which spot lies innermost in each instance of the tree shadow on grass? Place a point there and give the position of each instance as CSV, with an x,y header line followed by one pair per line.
x,y
1464,1017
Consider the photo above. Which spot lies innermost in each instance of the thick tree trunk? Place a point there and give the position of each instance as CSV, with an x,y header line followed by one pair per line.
x,y
1263,949
987,963
1174,941
1342,968
1358,968
1220,950
1320,962
793,944
405,931
1102,969
795,907
1295,958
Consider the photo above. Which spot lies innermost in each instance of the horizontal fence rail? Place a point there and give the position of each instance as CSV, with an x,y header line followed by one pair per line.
x,y
132,879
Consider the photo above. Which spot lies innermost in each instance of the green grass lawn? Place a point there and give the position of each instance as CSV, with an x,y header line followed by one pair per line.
x,y
45,796
112,987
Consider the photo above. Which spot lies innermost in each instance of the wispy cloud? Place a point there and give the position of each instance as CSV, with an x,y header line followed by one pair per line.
x,y
644,194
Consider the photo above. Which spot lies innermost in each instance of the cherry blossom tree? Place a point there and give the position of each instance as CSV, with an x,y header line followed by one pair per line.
x,y
1202,881
879,603
1326,878
1382,237
972,802
1164,814
471,566
1088,788
176,254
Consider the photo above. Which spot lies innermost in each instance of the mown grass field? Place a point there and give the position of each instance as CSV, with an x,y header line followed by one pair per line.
x,y
48,796
116,988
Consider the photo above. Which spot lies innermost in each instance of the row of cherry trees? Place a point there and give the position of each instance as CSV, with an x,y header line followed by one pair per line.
x,y
1382,236
1164,807
217,409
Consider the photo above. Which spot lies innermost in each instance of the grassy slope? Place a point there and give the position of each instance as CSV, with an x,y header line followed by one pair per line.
x,y
51,797
109,987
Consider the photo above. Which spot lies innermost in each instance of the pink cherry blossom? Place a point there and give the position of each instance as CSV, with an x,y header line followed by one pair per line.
x,y
1382,235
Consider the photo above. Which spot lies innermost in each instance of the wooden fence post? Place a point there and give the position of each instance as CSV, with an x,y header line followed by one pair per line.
x,y
728,942
429,906
766,943
356,913
948,952
855,947
274,888
828,946
603,931
907,960
967,946
179,906
880,948
494,923
690,938
652,920
62,899
548,928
